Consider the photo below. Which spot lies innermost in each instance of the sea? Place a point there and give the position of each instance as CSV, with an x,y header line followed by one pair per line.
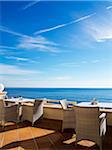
x,y
71,94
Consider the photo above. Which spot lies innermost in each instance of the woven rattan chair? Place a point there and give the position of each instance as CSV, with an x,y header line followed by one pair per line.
x,y
32,111
68,121
90,124
8,113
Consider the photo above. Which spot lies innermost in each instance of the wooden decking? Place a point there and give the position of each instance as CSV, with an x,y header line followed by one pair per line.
x,y
45,135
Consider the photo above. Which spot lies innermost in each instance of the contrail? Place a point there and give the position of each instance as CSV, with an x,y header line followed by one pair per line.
x,y
63,25
30,4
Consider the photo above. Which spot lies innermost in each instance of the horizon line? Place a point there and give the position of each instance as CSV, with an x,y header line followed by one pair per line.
x,y
67,87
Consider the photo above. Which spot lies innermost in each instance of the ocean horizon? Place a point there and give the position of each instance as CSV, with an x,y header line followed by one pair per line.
x,y
71,94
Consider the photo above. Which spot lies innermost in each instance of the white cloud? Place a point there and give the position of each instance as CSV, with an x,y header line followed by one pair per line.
x,y
9,82
72,64
101,30
6,50
15,70
39,43
17,58
61,81
30,4
20,58
62,78
37,40
5,29
66,24
109,7
6,47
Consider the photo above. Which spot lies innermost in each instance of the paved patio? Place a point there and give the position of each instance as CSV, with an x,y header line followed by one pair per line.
x,y
45,135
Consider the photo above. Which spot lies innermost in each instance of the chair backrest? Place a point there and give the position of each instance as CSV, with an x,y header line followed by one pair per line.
x,y
1,108
64,103
87,120
2,103
37,110
37,104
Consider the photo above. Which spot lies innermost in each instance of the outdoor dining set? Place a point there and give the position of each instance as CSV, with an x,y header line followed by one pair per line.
x,y
88,120
16,109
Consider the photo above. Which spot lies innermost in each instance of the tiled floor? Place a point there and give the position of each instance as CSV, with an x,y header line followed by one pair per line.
x,y
45,135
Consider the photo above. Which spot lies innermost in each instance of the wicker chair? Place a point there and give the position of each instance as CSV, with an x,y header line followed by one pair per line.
x,y
68,121
8,113
90,124
32,111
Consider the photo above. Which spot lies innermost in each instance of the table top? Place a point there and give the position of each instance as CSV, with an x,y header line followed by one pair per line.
x,y
19,100
100,104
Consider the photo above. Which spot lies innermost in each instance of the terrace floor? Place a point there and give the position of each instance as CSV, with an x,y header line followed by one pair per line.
x,y
45,135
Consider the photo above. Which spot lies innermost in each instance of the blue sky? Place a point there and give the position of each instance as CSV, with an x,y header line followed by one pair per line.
x,y
56,44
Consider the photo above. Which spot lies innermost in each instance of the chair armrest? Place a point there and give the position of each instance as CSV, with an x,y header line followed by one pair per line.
x,y
103,115
102,121
28,104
